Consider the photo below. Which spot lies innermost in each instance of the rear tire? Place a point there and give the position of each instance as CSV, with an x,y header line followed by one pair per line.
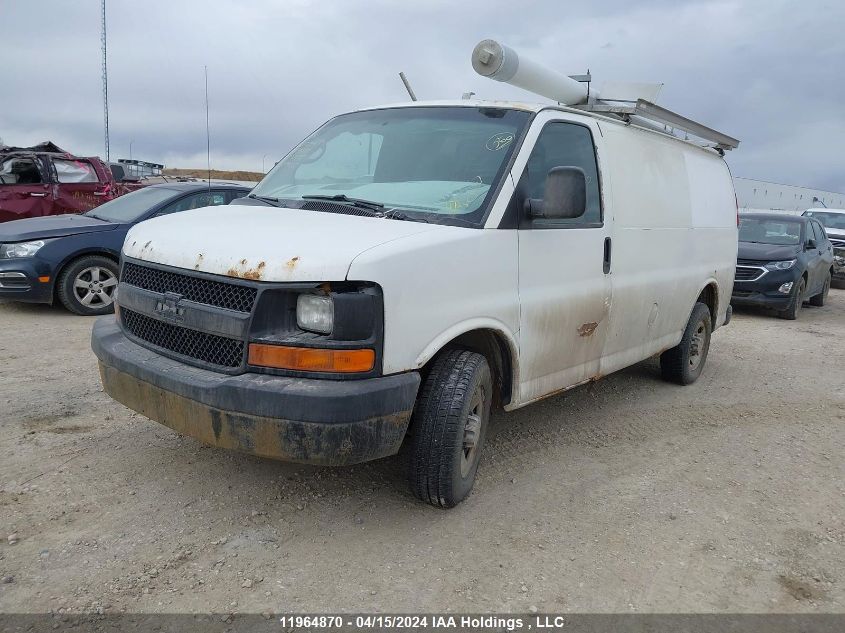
x,y
683,363
794,309
449,426
819,299
86,286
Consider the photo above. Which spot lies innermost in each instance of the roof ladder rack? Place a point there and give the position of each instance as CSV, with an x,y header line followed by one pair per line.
x,y
651,112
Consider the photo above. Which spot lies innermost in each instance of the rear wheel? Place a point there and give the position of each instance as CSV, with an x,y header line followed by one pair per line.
x,y
794,309
86,286
819,299
683,363
448,427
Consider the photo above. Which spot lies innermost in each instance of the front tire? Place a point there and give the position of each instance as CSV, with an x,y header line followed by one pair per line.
x,y
449,426
819,299
683,363
86,286
794,309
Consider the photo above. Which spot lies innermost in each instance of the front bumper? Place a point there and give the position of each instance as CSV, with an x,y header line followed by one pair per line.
x,y
328,422
764,291
19,280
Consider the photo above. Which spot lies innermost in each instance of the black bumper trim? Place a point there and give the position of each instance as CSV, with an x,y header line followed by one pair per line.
x,y
296,419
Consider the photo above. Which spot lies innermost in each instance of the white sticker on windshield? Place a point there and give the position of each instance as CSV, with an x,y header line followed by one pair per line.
x,y
499,141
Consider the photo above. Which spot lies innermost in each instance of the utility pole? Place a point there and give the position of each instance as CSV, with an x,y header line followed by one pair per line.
x,y
105,78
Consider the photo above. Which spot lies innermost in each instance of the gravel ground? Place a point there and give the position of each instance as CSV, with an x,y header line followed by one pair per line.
x,y
629,495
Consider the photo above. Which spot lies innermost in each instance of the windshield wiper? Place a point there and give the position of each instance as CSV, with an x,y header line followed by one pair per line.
x,y
396,214
275,202
343,198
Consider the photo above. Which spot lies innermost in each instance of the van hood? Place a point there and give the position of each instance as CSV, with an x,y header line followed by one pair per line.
x,y
766,252
51,226
264,243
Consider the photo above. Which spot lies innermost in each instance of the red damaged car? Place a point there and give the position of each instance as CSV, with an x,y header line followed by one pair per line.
x,y
46,180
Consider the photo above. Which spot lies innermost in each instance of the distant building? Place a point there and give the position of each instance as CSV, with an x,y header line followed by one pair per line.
x,y
137,169
759,195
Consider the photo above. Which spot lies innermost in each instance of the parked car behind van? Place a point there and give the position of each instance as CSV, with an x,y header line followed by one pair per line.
x,y
74,258
833,221
405,269
783,261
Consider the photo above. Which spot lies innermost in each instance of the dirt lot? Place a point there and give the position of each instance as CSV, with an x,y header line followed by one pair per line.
x,y
630,495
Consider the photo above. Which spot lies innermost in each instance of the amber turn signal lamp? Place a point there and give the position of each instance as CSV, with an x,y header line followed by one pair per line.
x,y
45,279
344,361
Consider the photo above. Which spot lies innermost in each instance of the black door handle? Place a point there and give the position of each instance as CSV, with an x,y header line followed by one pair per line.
x,y
606,255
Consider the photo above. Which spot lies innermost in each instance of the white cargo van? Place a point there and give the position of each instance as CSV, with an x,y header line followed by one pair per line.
x,y
406,268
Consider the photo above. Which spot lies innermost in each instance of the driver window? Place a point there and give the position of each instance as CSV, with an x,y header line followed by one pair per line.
x,y
19,171
564,145
821,237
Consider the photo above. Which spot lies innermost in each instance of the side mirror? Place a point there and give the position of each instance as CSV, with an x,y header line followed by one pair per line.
x,y
565,195
810,245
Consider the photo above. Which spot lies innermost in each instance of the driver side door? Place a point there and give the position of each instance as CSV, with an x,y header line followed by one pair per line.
x,y
24,189
564,267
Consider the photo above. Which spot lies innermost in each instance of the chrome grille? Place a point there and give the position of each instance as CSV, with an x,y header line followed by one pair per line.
x,y
749,273
208,348
214,293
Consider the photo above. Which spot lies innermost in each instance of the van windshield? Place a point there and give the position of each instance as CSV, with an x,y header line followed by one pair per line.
x,y
438,164
766,231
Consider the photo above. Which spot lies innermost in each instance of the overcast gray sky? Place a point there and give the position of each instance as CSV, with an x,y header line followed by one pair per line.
x,y
769,72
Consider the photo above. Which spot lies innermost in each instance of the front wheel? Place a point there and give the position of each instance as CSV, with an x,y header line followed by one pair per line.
x,y
794,309
448,427
683,363
819,299
86,286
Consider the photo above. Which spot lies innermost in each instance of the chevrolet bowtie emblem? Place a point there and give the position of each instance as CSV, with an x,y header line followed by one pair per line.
x,y
168,307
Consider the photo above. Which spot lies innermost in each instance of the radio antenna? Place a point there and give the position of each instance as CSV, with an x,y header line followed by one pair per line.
x,y
407,86
207,133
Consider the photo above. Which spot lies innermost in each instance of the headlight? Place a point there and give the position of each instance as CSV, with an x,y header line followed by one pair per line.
x,y
785,265
315,313
21,249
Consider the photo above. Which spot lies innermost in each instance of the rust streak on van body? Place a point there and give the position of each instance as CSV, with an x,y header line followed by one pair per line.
x,y
253,274
291,263
587,329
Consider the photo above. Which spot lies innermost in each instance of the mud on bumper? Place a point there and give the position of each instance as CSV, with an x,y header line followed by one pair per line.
x,y
314,421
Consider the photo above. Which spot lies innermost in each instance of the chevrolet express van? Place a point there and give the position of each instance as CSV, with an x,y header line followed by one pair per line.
x,y
405,269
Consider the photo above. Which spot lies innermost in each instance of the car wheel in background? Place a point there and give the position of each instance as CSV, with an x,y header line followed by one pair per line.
x,y
794,309
683,363
86,286
819,299
448,427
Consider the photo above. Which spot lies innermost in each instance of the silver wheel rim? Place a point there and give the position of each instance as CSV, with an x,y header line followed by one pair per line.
x,y
472,432
696,346
799,299
94,287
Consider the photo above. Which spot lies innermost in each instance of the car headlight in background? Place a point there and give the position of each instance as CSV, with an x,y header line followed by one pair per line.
x,y
784,265
21,249
315,313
